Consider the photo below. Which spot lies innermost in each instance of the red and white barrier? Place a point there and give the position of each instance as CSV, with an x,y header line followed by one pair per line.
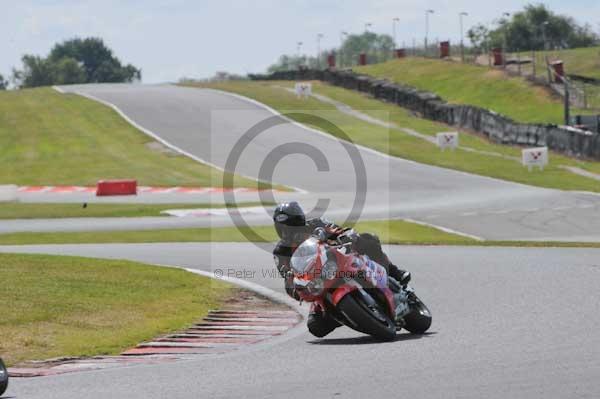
x,y
140,190
116,187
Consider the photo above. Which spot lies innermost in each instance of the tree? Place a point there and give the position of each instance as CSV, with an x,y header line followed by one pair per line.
x,y
36,71
3,83
534,28
67,71
75,61
377,47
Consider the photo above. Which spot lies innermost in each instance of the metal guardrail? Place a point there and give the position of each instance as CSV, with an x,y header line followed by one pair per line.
x,y
590,122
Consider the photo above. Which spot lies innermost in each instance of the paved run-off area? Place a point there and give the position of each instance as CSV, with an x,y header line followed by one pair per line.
x,y
507,322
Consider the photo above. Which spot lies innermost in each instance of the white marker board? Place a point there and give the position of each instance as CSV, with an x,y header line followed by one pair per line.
x,y
535,157
303,89
447,140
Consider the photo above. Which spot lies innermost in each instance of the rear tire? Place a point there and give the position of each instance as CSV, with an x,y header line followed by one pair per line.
x,y
3,378
418,320
364,320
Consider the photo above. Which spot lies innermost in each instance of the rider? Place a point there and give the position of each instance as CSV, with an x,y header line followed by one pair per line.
x,y
293,228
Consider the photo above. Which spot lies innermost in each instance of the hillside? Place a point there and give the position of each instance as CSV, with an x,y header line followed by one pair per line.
x,y
474,85
49,138
580,61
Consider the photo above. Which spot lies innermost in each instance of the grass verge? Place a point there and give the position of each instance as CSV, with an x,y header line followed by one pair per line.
x,y
398,232
49,138
18,210
400,144
69,306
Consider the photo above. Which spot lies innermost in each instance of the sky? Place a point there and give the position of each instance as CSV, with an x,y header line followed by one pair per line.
x,y
183,38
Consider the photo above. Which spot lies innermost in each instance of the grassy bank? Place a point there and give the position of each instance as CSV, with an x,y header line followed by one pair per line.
x,y
579,61
398,143
474,85
17,210
49,138
68,306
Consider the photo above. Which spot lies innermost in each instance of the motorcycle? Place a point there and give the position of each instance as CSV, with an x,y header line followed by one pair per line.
x,y
3,377
354,290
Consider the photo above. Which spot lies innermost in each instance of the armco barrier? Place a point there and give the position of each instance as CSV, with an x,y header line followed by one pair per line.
x,y
116,187
498,128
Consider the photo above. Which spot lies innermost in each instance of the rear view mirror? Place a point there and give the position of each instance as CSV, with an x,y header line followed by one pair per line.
x,y
320,234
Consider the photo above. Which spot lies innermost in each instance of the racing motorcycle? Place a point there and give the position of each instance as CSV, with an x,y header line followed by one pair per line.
x,y
3,377
355,290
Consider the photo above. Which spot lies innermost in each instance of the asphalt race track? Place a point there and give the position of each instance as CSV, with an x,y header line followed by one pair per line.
x,y
508,323
207,124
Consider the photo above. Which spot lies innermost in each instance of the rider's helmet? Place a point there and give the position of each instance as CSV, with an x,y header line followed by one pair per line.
x,y
290,221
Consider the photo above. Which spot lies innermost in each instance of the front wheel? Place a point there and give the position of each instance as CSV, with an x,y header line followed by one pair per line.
x,y
368,319
3,378
418,320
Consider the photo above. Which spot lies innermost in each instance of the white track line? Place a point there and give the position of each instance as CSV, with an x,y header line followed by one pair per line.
x,y
445,229
158,138
264,291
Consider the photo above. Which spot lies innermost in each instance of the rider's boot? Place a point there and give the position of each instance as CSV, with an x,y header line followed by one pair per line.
x,y
402,276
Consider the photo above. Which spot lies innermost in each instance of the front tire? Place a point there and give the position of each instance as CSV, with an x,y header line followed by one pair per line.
x,y
367,320
3,378
320,326
419,319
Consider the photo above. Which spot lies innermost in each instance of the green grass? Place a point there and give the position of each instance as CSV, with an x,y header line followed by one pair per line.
x,y
396,231
402,145
579,61
17,210
474,85
58,306
49,138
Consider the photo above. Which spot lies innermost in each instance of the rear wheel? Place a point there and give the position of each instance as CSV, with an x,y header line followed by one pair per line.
x,y
3,378
368,319
418,320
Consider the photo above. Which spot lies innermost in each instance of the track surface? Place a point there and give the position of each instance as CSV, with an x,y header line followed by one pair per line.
x,y
207,124
508,323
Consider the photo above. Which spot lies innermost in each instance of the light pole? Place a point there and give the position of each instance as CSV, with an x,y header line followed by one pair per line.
x,y
505,40
394,21
343,36
544,24
319,37
427,12
462,35
298,47
367,26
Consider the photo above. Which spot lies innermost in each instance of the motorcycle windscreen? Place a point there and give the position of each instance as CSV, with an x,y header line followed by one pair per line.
x,y
304,256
